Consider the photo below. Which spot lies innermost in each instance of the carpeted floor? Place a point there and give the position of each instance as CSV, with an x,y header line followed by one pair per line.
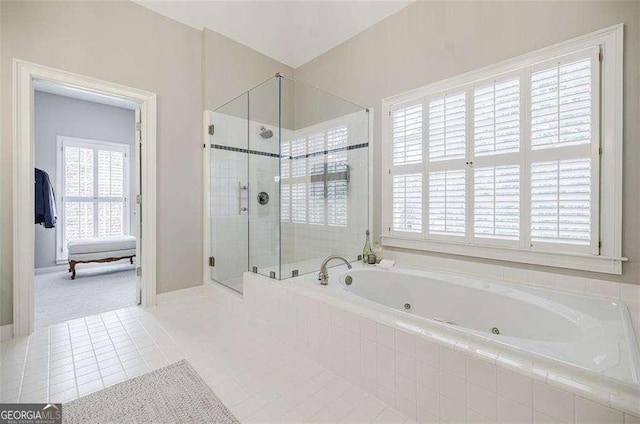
x,y
96,289
172,394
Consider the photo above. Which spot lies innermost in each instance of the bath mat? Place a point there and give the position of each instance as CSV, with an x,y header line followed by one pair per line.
x,y
172,394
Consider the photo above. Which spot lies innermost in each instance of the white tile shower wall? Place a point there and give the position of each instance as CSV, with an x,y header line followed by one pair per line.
x,y
426,381
629,293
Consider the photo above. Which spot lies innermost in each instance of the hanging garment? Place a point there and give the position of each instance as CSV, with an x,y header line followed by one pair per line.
x,y
45,200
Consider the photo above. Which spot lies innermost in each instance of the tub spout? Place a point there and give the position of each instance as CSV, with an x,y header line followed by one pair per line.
x,y
323,276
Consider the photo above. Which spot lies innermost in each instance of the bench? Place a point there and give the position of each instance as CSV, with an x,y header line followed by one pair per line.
x,y
101,249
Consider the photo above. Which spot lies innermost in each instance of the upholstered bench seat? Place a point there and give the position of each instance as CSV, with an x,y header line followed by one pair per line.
x,y
102,249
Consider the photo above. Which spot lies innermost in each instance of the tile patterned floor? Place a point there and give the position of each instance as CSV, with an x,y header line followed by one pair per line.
x,y
260,380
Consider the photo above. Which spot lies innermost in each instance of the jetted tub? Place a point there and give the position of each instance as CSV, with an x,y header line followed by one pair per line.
x,y
586,332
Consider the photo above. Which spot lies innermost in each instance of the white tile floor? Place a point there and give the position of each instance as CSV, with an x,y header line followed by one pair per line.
x,y
253,374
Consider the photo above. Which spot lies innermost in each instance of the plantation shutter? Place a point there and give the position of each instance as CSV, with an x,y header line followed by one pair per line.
x,y
496,112
285,159
298,157
561,108
285,202
447,203
407,203
337,161
561,201
407,135
316,203
78,193
447,127
407,168
510,160
496,207
337,203
94,196
299,203
111,189
564,153
316,156
496,158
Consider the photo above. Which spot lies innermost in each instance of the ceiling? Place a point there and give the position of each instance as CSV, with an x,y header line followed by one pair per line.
x,y
82,94
292,32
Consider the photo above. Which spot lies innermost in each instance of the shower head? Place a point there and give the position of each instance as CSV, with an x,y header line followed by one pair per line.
x,y
265,133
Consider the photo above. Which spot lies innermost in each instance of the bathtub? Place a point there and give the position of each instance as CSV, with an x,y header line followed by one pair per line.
x,y
588,333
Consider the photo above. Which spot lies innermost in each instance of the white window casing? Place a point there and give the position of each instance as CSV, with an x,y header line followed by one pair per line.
x,y
512,159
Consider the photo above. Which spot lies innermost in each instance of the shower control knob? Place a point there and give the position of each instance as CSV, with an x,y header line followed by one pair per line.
x,y
263,198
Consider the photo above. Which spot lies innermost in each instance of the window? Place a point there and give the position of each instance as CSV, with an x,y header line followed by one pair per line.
x,y
314,177
407,203
507,162
93,178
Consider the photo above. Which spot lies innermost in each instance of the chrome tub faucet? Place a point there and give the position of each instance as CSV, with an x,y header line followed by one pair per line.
x,y
323,276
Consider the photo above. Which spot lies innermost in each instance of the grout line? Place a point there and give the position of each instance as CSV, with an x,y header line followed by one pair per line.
x,y
166,333
112,344
94,354
154,341
135,345
73,360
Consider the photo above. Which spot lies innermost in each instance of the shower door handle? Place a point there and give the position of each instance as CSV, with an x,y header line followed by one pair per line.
x,y
241,188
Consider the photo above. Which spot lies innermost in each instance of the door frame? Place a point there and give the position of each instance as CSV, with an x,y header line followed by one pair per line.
x,y
24,74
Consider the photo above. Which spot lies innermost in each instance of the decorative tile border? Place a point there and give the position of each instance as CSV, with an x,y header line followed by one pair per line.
x,y
240,150
326,152
276,155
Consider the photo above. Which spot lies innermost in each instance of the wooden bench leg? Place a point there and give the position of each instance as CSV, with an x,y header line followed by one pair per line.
x,y
72,269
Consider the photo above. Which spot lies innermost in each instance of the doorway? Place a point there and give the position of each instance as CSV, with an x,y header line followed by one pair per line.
x,y
85,233
121,201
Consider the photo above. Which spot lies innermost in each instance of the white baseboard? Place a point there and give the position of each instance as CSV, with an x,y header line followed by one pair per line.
x,y
180,294
6,332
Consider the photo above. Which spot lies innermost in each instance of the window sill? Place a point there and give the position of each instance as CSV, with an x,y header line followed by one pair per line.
x,y
584,262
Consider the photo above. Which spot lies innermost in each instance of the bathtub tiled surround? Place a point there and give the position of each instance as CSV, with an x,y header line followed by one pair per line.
x,y
425,372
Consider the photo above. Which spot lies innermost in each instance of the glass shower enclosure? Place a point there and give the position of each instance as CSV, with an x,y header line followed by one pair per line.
x,y
290,183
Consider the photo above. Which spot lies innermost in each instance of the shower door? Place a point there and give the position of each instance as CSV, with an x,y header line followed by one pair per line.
x,y
229,193
245,192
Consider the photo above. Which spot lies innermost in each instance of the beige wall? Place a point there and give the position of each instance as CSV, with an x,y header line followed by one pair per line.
x,y
429,41
232,69
128,44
